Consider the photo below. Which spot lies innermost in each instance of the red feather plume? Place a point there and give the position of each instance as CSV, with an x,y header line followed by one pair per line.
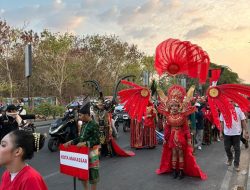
x,y
135,100
181,57
219,97
214,112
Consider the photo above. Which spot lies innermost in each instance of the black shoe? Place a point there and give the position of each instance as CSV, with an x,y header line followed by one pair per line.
x,y
175,174
181,174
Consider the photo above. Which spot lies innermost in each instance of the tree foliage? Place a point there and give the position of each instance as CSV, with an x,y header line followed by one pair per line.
x,y
228,76
61,62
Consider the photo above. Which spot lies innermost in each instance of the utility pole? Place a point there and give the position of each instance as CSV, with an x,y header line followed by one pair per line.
x,y
28,68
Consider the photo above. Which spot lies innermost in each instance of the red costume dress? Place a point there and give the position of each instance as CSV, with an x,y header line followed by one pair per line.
x,y
26,179
173,57
176,134
149,135
142,134
136,134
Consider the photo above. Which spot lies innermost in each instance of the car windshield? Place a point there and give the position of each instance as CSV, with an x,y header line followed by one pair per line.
x,y
119,107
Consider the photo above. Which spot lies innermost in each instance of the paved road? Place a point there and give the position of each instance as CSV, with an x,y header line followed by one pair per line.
x,y
137,172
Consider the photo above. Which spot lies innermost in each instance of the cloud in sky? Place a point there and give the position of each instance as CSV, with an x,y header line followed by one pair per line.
x,y
200,32
217,26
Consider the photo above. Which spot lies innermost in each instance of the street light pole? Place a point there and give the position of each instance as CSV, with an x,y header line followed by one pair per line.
x,y
28,68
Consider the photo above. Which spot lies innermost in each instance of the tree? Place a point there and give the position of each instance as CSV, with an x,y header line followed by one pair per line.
x,y
8,46
52,56
106,58
228,76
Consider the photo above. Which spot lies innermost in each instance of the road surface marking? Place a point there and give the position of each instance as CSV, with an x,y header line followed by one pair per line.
x,y
51,175
227,178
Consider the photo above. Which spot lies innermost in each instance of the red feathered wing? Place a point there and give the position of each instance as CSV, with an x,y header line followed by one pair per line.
x,y
181,57
219,97
135,100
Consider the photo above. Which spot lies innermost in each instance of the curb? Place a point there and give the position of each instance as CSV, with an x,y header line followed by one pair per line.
x,y
238,181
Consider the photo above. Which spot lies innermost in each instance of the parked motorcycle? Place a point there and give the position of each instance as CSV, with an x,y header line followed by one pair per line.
x,y
63,130
121,118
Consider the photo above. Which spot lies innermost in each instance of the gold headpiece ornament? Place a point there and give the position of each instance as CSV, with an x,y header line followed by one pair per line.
x,y
176,93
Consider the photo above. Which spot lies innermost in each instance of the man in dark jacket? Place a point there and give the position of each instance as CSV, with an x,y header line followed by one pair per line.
x,y
199,125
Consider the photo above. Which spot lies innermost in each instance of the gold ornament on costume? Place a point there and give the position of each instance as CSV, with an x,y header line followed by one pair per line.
x,y
144,92
213,92
37,140
176,94
102,139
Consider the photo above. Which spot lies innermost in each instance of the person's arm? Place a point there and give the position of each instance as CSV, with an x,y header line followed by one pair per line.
x,y
90,136
222,129
167,131
245,129
95,140
221,126
187,133
243,124
19,120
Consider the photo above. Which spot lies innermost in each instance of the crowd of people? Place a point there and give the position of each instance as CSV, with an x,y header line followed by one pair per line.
x,y
183,123
203,128
193,126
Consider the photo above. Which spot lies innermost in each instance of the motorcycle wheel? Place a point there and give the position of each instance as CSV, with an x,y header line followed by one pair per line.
x,y
53,144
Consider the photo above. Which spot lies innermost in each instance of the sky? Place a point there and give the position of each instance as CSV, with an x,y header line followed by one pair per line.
x,y
220,27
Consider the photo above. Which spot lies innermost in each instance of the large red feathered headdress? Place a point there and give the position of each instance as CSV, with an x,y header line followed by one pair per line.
x,y
219,97
181,57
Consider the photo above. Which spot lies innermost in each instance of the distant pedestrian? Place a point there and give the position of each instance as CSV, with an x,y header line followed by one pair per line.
x,y
199,125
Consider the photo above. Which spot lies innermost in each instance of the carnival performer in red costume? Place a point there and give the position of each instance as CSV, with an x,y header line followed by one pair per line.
x,y
136,134
172,57
177,149
142,114
149,135
142,134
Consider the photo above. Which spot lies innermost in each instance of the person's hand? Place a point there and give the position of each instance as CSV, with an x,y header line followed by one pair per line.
x,y
12,114
164,141
245,134
221,135
81,144
66,145
189,143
